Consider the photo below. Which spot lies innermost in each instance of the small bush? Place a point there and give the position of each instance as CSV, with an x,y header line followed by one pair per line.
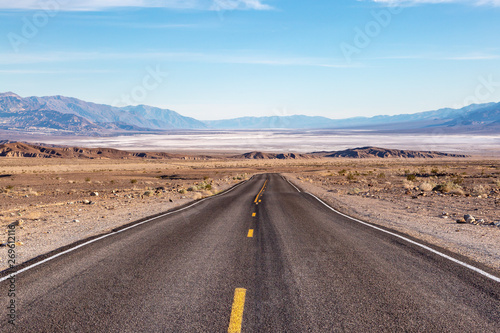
x,y
449,187
9,187
411,177
479,190
133,181
87,179
434,170
354,191
381,175
458,180
350,176
342,172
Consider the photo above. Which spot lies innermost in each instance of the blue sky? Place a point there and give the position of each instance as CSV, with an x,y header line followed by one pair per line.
x,y
214,59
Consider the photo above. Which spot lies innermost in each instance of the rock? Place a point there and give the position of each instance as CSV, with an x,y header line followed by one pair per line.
x,y
86,202
445,214
148,194
170,200
94,194
480,221
76,221
461,221
469,218
17,223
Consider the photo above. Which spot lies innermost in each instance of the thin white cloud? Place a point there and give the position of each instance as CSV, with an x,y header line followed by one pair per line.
x,y
215,58
417,2
98,5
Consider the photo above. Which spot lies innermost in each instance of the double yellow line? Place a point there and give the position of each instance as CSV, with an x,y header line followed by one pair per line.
x,y
260,192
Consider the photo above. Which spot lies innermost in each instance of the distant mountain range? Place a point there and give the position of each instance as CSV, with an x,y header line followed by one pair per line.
x,y
70,116
59,114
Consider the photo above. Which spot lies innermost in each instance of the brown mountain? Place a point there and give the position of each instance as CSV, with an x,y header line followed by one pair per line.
x,y
257,155
19,149
375,152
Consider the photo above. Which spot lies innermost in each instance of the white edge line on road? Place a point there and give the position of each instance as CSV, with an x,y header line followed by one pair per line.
x,y
475,269
113,233
295,187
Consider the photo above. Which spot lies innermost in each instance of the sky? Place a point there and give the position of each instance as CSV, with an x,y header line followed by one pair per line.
x,y
217,59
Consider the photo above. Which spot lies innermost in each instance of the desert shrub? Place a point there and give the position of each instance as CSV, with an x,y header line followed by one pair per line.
x,y
9,187
449,187
458,180
411,177
434,170
497,183
205,177
342,172
350,176
133,181
87,179
208,187
479,190
381,175
354,191
426,186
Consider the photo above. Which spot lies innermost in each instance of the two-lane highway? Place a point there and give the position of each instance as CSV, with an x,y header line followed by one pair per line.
x,y
263,257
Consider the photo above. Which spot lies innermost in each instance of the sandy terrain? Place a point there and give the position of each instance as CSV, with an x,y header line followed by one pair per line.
x,y
53,198
55,202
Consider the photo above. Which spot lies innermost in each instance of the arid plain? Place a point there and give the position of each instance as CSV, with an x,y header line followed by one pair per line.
x,y
55,202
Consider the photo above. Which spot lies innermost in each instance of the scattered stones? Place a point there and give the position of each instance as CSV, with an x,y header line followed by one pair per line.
x,y
469,218
461,221
445,214
86,202
94,194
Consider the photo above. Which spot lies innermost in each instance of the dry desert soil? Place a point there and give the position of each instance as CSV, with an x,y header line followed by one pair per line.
x,y
55,202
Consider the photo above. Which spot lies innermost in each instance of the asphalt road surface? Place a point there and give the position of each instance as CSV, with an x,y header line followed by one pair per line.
x,y
263,257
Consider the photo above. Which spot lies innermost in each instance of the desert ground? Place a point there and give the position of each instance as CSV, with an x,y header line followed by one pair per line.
x,y
55,202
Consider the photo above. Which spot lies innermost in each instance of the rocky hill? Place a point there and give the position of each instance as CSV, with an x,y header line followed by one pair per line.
x,y
375,152
257,155
20,149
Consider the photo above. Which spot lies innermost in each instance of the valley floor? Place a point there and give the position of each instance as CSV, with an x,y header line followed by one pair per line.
x,y
55,202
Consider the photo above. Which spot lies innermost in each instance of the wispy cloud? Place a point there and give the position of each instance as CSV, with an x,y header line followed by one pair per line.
x,y
195,57
417,2
99,5
437,57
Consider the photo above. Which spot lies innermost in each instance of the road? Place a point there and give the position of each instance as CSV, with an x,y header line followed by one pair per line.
x,y
263,257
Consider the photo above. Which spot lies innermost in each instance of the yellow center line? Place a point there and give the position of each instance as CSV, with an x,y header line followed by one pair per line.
x,y
250,233
237,311
254,214
260,192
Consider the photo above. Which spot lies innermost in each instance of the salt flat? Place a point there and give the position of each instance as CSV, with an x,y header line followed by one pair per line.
x,y
286,141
